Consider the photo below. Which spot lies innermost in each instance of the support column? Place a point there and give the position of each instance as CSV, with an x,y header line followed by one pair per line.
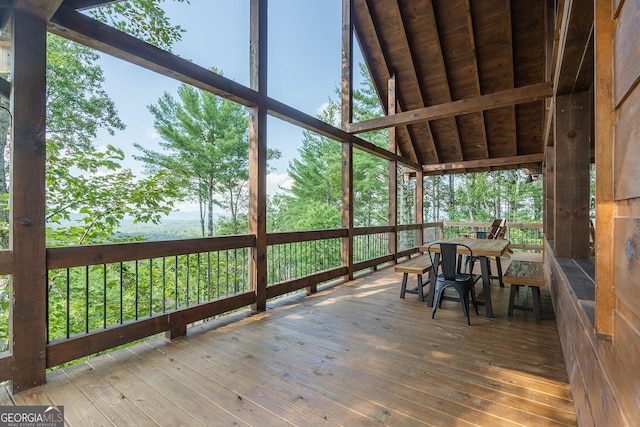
x,y
27,239
572,146
347,63
347,208
393,170
347,147
258,155
419,204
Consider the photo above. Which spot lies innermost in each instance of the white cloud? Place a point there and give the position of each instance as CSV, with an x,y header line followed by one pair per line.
x,y
278,181
152,134
322,107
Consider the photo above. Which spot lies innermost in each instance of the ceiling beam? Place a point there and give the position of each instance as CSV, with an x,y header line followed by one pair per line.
x,y
481,125
413,90
505,98
483,163
291,115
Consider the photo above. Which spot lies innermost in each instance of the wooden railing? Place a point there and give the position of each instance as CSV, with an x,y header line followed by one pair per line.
x,y
525,236
103,296
522,236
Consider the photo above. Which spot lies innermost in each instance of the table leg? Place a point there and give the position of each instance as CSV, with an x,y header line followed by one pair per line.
x,y
486,285
432,283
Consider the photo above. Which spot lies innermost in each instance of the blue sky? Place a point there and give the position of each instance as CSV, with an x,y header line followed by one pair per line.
x,y
304,67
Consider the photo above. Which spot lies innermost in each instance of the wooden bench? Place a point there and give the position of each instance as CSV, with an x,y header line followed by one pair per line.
x,y
419,266
525,270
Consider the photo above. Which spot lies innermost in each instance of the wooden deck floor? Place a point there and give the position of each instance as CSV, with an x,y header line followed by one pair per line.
x,y
353,355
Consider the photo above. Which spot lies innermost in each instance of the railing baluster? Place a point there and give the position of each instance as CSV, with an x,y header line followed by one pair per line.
x,y
187,277
177,304
86,300
104,296
164,284
150,287
137,289
68,302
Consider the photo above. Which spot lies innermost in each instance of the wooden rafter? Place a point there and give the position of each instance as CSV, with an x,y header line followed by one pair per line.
x,y
298,118
410,80
505,98
483,163
422,15
377,62
482,139
494,41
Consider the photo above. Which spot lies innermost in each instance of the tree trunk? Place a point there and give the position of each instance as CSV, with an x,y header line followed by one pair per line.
x,y
210,207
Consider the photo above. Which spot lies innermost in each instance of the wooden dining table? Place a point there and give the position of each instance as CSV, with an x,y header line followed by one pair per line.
x,y
481,248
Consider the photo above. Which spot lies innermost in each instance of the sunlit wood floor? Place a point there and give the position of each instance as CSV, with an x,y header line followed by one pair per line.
x,y
351,355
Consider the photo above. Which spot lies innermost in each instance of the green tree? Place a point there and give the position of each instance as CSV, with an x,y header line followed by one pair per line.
x,y
77,106
144,19
205,147
82,179
87,206
315,198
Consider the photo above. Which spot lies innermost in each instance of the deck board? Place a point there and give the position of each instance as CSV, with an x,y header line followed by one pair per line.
x,y
352,355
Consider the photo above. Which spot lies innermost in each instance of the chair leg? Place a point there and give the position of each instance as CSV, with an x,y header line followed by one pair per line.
x,y
464,298
437,300
499,266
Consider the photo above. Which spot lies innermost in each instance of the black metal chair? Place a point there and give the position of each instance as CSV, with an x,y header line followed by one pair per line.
x,y
463,283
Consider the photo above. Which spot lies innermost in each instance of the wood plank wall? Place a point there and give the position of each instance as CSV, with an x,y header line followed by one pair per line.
x,y
601,351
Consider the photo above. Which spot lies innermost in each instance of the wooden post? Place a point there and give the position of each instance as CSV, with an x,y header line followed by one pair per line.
x,y
258,155
572,131
27,237
605,121
347,207
393,170
347,63
347,147
419,206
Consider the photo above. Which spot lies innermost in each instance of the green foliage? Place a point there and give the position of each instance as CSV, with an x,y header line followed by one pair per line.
x,y
206,151
88,192
99,194
315,198
143,19
77,106
483,196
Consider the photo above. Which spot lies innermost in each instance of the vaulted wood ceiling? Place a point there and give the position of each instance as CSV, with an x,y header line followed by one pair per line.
x,y
454,62
474,79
